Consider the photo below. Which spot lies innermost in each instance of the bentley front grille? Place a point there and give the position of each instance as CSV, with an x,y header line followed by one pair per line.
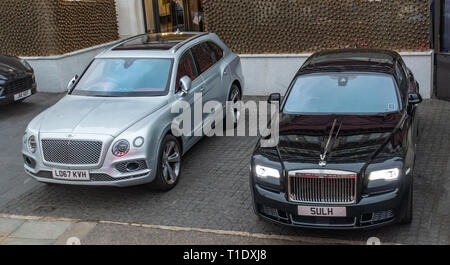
x,y
322,186
72,152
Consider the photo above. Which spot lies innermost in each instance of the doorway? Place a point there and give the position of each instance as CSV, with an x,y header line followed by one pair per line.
x,y
173,15
441,40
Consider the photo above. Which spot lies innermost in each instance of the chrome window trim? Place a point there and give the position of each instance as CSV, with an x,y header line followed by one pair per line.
x,y
181,44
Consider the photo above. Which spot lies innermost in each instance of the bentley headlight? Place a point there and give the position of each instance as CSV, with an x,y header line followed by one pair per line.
x,y
121,148
138,142
387,174
266,172
31,144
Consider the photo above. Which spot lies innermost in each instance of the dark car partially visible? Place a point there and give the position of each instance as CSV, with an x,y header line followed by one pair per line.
x,y
17,80
347,144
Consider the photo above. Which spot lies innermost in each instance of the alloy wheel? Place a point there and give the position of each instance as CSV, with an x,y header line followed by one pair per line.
x,y
235,96
171,161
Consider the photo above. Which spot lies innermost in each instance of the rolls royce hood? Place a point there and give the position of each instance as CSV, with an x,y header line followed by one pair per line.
x,y
97,115
350,138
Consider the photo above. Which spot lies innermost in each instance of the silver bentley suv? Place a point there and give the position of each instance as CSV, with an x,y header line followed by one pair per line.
x,y
113,128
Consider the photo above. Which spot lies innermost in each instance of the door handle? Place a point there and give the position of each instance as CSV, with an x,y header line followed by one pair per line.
x,y
202,88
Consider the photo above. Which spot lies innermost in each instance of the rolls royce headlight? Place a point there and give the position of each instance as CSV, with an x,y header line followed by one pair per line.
x,y
31,144
387,174
121,148
266,172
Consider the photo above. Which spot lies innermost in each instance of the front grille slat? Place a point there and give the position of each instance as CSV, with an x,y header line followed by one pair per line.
x,y
72,152
18,85
335,187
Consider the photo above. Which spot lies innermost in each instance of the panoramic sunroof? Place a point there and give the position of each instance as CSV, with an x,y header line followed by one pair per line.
x,y
160,41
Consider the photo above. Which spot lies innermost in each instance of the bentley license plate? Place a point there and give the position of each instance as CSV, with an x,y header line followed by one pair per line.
x,y
81,175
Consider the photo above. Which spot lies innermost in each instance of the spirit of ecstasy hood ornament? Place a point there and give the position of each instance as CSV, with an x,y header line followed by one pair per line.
x,y
323,156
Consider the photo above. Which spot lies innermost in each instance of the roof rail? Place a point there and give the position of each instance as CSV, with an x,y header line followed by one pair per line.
x,y
126,40
181,44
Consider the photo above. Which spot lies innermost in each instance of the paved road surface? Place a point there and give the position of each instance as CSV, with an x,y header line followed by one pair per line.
x,y
213,191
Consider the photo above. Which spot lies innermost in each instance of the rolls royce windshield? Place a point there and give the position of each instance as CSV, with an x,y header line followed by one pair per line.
x,y
343,93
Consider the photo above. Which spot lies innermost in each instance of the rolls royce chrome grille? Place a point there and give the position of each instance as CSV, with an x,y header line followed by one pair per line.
x,y
72,152
322,186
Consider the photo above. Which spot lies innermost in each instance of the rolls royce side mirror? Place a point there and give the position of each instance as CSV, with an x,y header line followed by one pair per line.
x,y
185,84
414,98
71,83
274,98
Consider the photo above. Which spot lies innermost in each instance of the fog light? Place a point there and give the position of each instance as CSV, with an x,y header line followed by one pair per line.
x,y
30,162
132,166
138,142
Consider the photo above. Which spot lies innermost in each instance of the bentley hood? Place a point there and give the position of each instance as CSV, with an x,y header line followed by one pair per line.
x,y
97,115
337,138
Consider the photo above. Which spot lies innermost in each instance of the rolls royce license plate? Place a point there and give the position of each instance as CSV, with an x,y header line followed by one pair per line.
x,y
322,211
62,174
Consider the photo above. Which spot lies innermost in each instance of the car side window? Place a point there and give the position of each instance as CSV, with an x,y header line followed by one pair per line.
x,y
410,78
217,50
402,79
186,67
204,56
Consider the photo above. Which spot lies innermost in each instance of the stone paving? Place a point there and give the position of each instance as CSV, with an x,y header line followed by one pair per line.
x,y
31,232
213,192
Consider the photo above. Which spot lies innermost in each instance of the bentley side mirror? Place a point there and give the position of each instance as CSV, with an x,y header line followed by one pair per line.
x,y
185,84
414,98
274,98
71,83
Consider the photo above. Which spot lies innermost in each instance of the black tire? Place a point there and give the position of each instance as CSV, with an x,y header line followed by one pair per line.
x,y
235,96
164,180
407,207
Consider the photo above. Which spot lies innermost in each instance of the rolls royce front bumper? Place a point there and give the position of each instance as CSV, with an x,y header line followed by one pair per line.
x,y
368,212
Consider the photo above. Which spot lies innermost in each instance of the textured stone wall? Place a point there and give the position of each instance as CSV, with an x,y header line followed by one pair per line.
x,y
52,27
297,26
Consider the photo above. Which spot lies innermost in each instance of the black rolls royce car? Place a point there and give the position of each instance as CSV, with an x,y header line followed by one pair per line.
x,y
16,79
347,145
